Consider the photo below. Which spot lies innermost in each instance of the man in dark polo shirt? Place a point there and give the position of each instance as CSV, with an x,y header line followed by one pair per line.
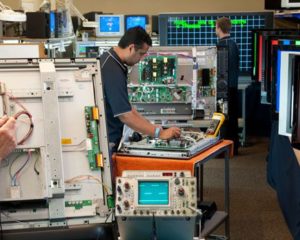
x,y
230,127
131,49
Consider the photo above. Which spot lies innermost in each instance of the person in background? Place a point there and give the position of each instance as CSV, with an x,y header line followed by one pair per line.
x,y
7,136
131,48
230,129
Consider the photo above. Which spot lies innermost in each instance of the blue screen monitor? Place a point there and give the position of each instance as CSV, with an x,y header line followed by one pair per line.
x,y
110,25
153,192
135,20
52,17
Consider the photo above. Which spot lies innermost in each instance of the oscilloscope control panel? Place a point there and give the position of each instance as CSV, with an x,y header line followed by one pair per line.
x,y
159,193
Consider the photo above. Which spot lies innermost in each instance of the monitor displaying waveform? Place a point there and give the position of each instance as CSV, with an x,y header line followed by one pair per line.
x,y
199,30
153,192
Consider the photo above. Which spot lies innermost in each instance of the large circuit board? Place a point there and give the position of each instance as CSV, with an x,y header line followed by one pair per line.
x,y
158,94
158,70
184,147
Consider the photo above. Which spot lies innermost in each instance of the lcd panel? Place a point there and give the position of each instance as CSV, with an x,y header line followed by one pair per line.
x,y
110,25
290,3
285,92
52,17
81,48
199,29
276,66
135,20
284,82
153,192
265,45
296,118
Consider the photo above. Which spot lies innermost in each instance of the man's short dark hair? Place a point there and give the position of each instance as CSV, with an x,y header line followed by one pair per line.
x,y
224,24
137,36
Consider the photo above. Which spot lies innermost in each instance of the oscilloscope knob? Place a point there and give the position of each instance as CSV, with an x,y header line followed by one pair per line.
x,y
181,192
126,204
126,186
119,189
119,208
177,181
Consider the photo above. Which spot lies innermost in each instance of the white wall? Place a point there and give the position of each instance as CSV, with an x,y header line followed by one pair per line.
x,y
152,7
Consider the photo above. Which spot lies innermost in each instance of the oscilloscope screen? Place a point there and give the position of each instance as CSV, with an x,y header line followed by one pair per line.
x,y
199,30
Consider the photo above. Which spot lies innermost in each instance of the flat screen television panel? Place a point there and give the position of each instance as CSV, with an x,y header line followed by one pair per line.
x,y
282,73
262,47
196,29
264,43
286,91
110,25
135,20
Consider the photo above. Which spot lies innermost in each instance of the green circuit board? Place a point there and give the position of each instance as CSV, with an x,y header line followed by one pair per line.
x,y
158,70
93,149
161,94
78,204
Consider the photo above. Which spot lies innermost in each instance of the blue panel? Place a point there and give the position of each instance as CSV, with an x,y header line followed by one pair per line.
x,y
133,21
52,23
109,24
153,192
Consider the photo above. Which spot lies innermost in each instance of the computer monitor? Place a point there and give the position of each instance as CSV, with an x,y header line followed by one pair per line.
x,y
52,18
92,51
110,25
82,48
135,20
290,3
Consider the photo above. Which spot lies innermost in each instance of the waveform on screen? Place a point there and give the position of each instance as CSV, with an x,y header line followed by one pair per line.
x,y
200,23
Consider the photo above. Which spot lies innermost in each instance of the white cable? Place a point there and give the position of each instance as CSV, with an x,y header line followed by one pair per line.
x,y
6,214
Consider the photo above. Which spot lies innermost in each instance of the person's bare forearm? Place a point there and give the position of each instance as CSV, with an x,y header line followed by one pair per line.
x,y
138,123
297,154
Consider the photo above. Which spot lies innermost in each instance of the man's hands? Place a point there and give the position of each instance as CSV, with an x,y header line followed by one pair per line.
x,y
140,124
8,140
172,132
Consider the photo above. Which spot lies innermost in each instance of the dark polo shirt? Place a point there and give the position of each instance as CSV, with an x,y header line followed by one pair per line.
x,y
114,79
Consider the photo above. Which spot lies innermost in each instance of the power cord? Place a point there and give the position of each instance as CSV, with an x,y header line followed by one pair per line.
x,y
1,230
154,234
16,116
199,218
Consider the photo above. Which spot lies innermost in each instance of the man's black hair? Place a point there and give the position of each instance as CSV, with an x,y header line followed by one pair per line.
x,y
137,36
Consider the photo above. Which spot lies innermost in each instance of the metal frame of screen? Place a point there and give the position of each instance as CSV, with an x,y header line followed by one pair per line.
x,y
194,29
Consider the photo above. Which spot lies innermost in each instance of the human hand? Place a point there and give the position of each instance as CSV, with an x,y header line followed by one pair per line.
x,y
3,120
172,132
8,140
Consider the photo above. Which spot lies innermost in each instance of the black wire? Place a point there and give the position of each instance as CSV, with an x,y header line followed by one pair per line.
x,y
1,229
108,215
35,169
154,237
